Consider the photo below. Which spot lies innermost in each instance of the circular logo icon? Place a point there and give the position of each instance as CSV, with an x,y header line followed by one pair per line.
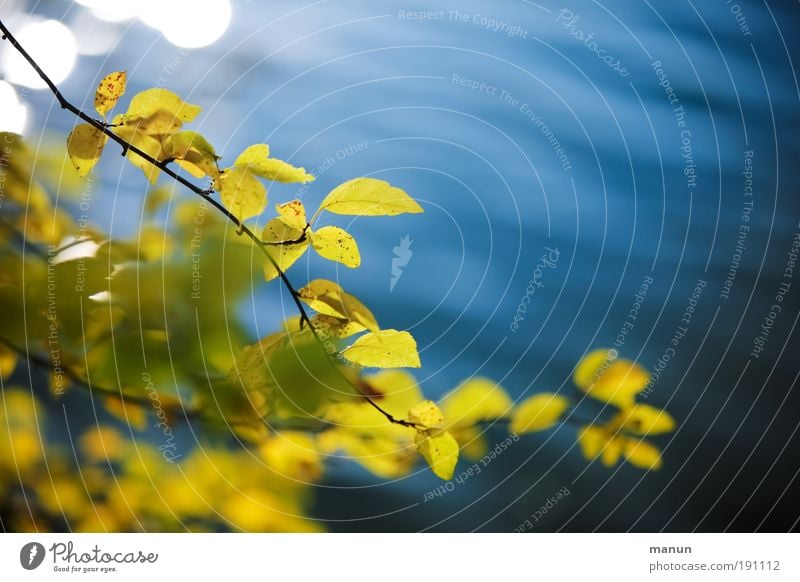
x,y
31,555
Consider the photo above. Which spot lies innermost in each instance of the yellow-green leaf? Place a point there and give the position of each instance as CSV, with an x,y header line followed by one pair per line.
x,y
148,103
440,450
336,244
152,147
476,400
335,326
589,366
242,193
642,454
426,414
388,348
110,89
538,412
256,159
8,361
645,419
369,197
293,213
193,153
285,255
84,145
328,298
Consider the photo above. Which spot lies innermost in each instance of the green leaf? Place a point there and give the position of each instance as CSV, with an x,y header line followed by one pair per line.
x,y
384,349
369,197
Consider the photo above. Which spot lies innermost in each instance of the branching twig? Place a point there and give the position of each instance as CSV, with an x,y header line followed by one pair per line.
x,y
241,228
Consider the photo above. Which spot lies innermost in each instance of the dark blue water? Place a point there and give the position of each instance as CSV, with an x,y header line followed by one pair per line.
x,y
517,137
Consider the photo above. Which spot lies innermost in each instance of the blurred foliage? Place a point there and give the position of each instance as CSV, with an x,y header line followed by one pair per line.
x,y
147,328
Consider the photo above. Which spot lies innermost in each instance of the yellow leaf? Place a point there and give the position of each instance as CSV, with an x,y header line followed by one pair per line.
x,y
131,414
592,439
8,361
388,348
538,412
328,298
110,89
645,419
256,159
335,326
242,193
335,244
103,443
642,454
476,400
590,364
614,381
369,197
285,255
159,111
426,414
193,153
293,213
440,450
84,145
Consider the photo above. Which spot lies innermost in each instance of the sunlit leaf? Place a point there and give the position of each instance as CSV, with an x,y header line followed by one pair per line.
x,y
193,153
328,298
440,450
538,412
369,197
110,89
159,111
642,454
615,381
645,419
242,193
84,145
285,255
476,400
8,361
293,213
426,414
256,159
335,244
388,348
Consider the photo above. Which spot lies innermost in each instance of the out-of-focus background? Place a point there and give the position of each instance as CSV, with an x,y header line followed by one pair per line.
x,y
622,135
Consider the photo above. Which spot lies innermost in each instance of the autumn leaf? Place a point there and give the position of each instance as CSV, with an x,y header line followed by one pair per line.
x,y
369,197
192,152
110,89
440,450
8,361
538,412
644,419
293,213
336,244
256,159
426,414
476,400
159,111
285,255
243,194
328,298
84,146
388,348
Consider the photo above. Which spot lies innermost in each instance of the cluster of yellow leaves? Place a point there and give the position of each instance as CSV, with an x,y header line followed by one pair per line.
x,y
290,233
128,485
601,375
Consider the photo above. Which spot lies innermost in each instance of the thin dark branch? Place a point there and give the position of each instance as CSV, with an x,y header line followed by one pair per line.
x,y
203,193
